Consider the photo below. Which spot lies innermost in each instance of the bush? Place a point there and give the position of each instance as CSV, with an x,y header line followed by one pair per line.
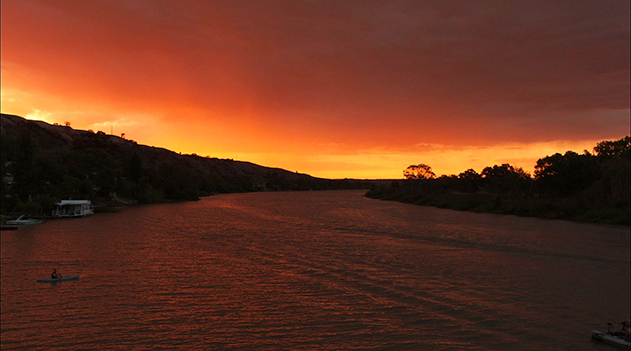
x,y
31,208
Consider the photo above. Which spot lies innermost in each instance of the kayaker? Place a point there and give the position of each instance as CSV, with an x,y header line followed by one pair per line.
x,y
55,275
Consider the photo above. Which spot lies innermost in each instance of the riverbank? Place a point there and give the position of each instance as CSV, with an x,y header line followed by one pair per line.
x,y
43,164
573,209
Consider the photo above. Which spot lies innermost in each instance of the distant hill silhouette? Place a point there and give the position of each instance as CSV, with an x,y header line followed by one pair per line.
x,y
42,163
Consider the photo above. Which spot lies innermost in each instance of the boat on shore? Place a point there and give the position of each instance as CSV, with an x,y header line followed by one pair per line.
x,y
24,220
73,208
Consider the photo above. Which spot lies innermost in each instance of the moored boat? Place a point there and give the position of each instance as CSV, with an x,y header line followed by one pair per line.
x,y
73,208
24,220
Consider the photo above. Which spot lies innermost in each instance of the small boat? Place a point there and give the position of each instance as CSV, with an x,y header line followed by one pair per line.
x,y
611,339
23,220
70,277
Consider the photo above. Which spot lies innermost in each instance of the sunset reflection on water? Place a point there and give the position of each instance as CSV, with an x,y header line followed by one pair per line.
x,y
311,270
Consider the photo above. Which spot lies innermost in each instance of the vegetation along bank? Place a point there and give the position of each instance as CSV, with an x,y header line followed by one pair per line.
x,y
587,187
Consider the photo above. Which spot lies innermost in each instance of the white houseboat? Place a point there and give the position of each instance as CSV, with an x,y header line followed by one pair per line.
x,y
73,208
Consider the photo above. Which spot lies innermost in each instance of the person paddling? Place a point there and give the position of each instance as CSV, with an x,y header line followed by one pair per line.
x,y
55,275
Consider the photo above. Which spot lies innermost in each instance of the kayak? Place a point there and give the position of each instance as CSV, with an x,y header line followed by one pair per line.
x,y
70,277
610,339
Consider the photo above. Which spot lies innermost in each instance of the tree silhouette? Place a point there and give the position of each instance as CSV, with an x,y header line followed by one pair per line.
x,y
619,148
566,175
469,180
420,171
469,174
505,178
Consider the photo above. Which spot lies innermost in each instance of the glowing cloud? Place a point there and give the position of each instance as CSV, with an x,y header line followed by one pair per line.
x,y
310,86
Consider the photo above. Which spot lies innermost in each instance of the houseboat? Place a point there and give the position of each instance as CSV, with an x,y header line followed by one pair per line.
x,y
73,208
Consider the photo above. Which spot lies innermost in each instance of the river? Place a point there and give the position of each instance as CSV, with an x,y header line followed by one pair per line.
x,y
330,270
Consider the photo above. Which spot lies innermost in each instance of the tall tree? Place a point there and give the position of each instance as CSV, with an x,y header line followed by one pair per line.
x,y
619,148
614,158
420,171
506,179
469,180
566,175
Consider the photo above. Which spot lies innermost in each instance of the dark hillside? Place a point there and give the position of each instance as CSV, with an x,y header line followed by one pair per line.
x,y
43,163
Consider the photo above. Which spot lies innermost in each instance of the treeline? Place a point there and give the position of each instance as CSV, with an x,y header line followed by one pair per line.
x,y
588,187
42,164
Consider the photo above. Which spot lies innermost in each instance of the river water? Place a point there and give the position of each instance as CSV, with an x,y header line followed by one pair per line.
x,y
312,271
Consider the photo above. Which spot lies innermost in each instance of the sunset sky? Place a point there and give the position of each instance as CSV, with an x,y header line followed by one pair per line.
x,y
335,89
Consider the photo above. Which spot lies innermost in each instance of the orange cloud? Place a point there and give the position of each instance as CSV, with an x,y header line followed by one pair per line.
x,y
280,84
